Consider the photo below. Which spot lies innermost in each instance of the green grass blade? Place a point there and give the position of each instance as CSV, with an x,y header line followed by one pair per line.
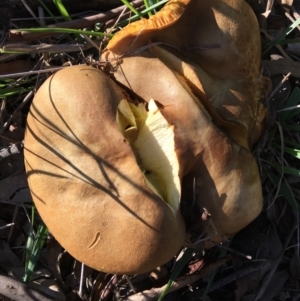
x,y
63,30
13,91
147,5
292,151
30,240
285,169
180,264
125,2
62,10
36,248
143,13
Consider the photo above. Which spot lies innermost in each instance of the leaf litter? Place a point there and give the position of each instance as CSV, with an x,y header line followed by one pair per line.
x,y
260,263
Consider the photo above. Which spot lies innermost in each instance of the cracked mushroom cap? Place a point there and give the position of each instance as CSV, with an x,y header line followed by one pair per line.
x,y
217,172
103,173
215,46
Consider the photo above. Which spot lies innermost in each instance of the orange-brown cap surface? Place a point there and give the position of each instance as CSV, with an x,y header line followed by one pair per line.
x,y
85,180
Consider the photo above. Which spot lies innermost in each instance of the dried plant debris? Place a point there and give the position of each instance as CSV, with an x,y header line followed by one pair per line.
x,y
260,263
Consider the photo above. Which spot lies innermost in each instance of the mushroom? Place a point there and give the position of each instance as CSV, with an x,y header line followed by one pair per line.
x,y
103,173
215,46
212,48
110,160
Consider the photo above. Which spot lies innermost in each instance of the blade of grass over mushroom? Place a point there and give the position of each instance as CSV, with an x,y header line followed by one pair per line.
x,y
125,2
147,6
143,13
152,2
180,264
62,10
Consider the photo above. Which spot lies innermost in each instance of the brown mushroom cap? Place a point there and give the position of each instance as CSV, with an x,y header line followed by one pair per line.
x,y
224,174
215,45
85,180
212,51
